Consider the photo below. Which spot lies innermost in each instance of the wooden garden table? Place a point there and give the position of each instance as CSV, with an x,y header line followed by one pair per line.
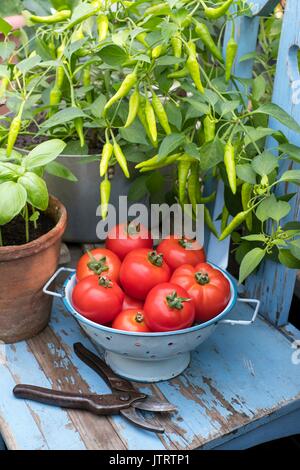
x,y
241,388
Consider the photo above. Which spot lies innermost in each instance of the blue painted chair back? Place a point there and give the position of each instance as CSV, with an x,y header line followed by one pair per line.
x,y
273,284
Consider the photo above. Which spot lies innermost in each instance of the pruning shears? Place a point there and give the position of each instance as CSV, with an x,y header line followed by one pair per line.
x,y
124,399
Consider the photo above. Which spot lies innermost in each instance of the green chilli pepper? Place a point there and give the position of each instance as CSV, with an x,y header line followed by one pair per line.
x,y
235,223
78,122
86,81
203,33
179,73
121,159
193,67
158,10
193,186
105,188
107,152
150,118
51,19
141,38
3,86
231,51
157,51
54,99
134,102
142,118
246,194
224,218
177,48
209,128
206,199
161,113
183,168
209,222
215,13
14,130
230,166
124,89
102,27
161,164
156,160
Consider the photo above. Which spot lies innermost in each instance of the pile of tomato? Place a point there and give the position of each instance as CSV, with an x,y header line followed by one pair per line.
x,y
130,286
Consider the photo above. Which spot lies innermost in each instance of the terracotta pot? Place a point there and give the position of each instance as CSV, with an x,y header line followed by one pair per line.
x,y
24,269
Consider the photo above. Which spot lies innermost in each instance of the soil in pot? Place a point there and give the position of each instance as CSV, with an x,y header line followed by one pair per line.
x,y
14,232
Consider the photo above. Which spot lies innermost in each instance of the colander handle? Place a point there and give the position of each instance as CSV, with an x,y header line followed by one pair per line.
x,y
52,278
245,322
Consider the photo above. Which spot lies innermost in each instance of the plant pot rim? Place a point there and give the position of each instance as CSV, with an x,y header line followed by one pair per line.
x,y
13,252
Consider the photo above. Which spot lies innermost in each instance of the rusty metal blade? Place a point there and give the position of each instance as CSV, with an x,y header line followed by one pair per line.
x,y
131,415
151,404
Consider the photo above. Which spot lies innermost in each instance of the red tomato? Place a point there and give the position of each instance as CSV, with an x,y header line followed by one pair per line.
x,y
178,251
168,307
127,237
98,298
131,319
141,270
99,261
207,286
129,302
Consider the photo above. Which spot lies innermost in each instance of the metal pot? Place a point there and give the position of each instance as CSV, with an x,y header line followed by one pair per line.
x,y
148,357
82,198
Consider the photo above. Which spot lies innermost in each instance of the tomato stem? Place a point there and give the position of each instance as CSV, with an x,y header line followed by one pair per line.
x,y
155,258
104,282
176,302
139,318
202,278
185,244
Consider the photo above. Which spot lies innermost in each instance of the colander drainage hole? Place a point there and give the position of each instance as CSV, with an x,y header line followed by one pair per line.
x,y
108,338
153,356
198,337
137,345
170,344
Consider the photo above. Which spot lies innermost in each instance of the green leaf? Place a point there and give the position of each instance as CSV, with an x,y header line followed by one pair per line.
x,y
291,150
98,106
250,262
113,55
168,60
270,208
61,171
36,188
5,27
287,259
80,13
199,106
174,114
6,49
169,144
229,106
255,134
211,154
135,134
258,237
279,114
138,188
264,163
246,173
44,153
258,88
295,248
192,150
28,64
63,116
155,183
13,198
292,176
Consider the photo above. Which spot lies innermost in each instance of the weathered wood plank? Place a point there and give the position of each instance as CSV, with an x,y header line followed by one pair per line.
x,y
274,284
240,379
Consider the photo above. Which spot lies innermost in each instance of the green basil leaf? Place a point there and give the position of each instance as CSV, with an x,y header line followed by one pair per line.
x,y
13,198
36,188
44,153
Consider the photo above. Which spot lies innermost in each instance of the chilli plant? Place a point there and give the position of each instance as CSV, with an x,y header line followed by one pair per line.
x,y
147,83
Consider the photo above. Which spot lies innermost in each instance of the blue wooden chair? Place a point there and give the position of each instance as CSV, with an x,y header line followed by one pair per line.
x,y
243,385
